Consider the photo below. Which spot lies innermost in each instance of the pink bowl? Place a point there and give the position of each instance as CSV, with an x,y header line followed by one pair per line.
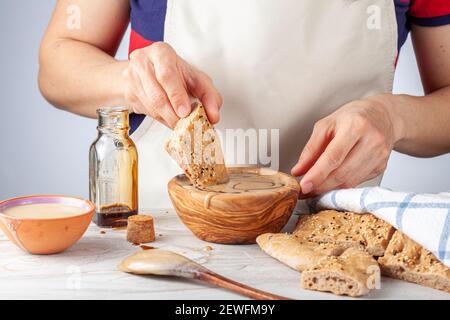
x,y
49,235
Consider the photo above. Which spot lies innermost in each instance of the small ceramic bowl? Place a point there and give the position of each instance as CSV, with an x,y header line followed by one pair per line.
x,y
247,208
46,235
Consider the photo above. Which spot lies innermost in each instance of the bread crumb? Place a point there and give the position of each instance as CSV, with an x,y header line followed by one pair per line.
x,y
144,247
120,228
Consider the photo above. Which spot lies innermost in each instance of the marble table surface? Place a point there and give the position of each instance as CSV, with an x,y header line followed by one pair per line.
x,y
88,270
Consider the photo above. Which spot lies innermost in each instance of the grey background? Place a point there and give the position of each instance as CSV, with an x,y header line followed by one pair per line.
x,y
45,150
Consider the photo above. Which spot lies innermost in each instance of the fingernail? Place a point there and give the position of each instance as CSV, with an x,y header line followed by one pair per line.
x,y
183,111
295,168
307,187
216,114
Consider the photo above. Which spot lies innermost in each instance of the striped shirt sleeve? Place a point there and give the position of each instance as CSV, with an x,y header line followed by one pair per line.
x,y
430,13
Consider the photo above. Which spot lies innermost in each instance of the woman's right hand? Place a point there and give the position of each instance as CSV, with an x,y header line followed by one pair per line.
x,y
158,83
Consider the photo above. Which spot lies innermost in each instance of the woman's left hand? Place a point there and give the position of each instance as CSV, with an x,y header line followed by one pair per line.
x,y
348,147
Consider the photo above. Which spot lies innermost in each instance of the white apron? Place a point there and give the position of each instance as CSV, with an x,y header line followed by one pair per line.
x,y
279,65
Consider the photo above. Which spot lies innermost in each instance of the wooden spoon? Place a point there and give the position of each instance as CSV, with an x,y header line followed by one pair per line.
x,y
167,263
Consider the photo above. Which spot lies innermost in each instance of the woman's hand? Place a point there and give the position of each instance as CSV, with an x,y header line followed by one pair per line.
x,y
348,147
158,83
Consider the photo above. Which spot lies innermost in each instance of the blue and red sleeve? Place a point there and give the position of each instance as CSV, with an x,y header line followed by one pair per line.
x,y
430,13
147,22
147,26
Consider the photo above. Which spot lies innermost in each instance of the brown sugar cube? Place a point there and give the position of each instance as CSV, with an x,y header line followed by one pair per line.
x,y
140,229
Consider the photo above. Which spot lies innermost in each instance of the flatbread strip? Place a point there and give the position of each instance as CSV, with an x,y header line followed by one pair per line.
x,y
406,260
345,229
195,146
324,266
347,274
289,250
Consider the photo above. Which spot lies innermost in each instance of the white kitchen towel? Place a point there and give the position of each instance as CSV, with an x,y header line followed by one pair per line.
x,y
425,218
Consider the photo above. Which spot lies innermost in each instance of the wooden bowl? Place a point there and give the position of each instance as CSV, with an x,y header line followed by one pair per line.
x,y
46,235
255,201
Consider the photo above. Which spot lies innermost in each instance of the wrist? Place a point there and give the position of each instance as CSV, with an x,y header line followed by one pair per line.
x,y
116,83
392,105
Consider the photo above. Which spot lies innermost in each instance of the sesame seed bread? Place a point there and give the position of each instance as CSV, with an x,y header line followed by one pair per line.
x,y
347,274
406,260
296,254
334,251
195,146
345,229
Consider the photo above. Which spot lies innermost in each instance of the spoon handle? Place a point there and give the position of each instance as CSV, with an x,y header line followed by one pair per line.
x,y
220,281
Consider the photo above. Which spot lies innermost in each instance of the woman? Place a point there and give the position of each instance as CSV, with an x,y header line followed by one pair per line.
x,y
320,72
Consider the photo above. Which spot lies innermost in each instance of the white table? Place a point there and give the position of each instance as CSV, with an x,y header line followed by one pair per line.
x,y
88,270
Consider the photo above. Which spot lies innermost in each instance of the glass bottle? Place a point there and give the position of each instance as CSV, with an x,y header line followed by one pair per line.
x,y
113,169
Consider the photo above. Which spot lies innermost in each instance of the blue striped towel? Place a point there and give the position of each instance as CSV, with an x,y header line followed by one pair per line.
x,y
425,218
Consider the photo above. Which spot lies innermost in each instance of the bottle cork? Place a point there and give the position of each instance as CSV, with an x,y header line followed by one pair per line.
x,y
140,229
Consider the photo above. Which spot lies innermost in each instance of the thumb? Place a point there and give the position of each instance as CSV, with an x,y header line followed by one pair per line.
x,y
201,87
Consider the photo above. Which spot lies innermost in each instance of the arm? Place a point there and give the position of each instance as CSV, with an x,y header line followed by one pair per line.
x,y
353,144
426,119
78,72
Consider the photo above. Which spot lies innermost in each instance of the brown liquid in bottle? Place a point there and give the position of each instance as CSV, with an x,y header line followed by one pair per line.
x,y
113,169
113,216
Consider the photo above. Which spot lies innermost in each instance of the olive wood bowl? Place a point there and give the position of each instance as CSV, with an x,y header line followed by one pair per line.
x,y
253,202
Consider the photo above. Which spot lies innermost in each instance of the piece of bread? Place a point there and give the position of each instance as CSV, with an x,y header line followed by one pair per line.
x,y
195,146
140,229
296,254
347,274
406,260
345,229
